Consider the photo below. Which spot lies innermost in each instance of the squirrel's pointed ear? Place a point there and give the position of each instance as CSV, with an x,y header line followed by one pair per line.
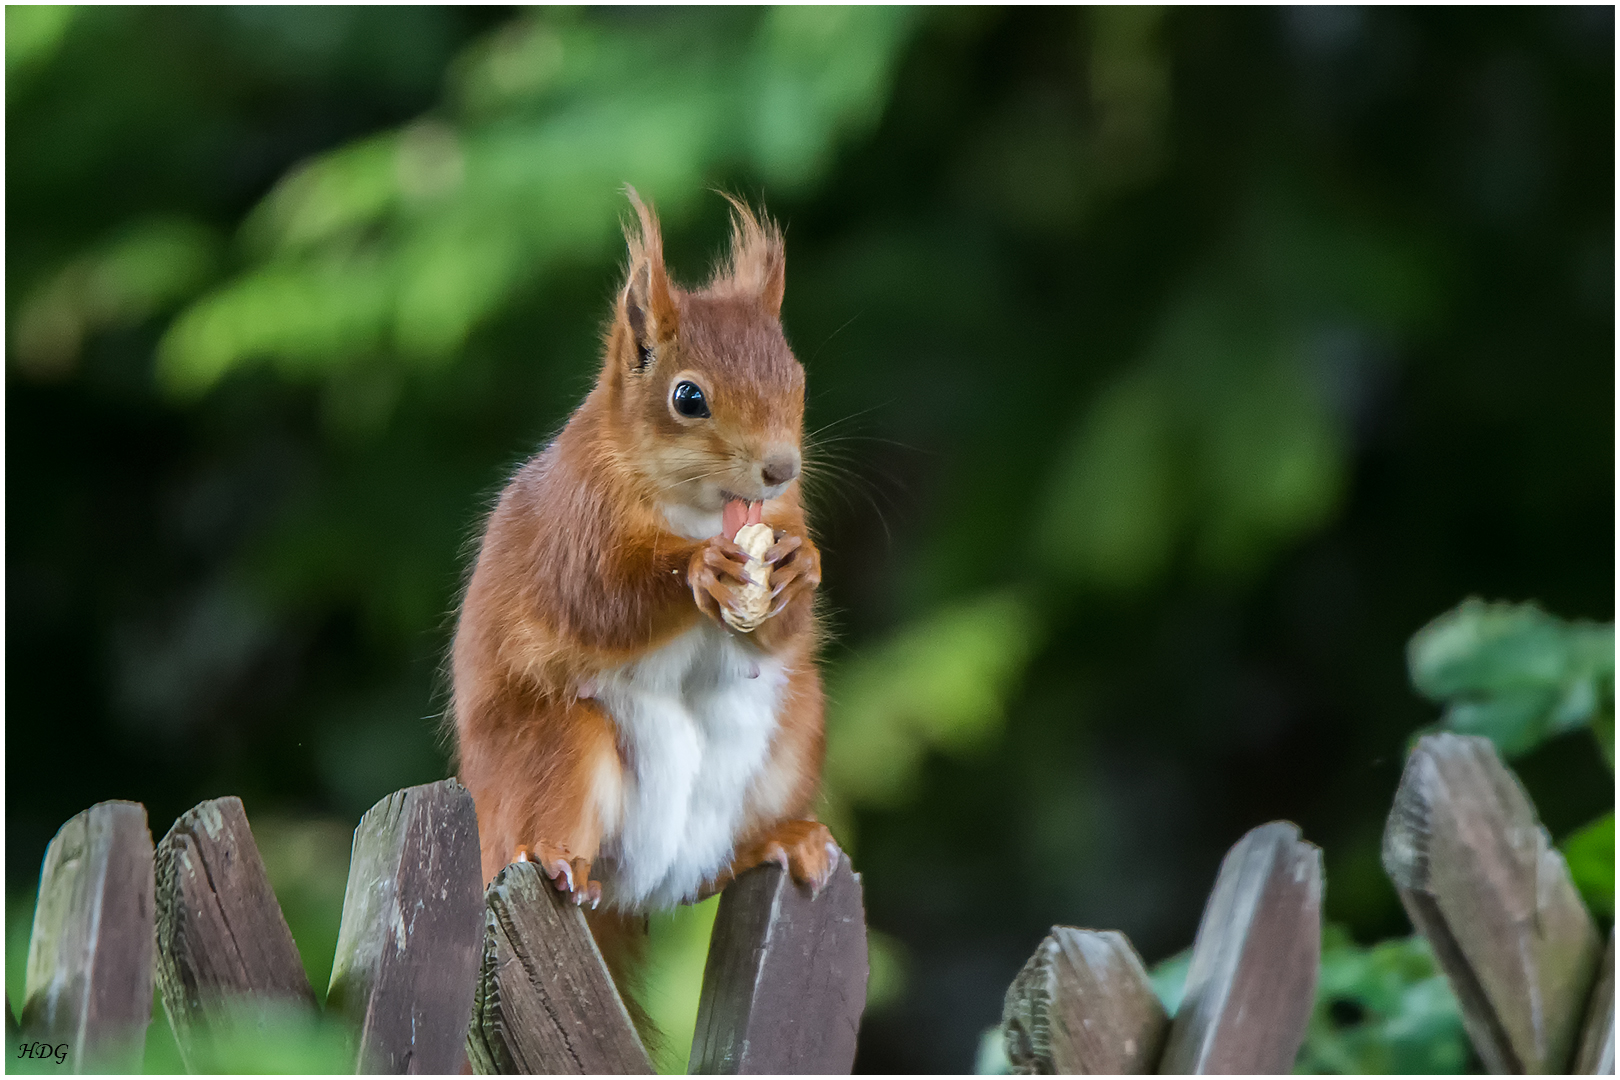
x,y
758,263
649,306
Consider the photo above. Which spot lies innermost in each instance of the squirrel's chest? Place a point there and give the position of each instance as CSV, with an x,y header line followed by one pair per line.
x,y
696,720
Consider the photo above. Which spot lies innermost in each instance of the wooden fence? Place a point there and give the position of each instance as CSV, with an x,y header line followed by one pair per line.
x,y
1479,878
432,973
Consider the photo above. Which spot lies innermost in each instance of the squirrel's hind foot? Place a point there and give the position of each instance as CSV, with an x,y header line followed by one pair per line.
x,y
571,874
805,849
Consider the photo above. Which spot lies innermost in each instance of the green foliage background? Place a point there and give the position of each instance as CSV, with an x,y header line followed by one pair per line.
x,y
1168,370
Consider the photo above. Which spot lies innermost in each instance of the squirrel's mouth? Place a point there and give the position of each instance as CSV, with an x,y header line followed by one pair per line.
x,y
728,497
737,513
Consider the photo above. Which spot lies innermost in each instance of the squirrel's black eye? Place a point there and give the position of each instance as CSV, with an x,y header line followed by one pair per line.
x,y
689,401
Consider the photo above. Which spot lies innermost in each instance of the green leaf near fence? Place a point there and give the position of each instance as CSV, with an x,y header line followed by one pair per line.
x,y
1383,1009
1590,854
1516,674
272,1039
1379,1009
1169,979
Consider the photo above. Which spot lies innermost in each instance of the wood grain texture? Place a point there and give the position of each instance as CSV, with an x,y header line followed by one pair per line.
x,y
1083,1004
1482,881
412,934
1595,1055
89,981
1252,979
785,981
545,1002
222,941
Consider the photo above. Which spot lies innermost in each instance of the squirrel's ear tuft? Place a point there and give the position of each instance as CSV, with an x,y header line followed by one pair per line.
x,y
649,307
758,263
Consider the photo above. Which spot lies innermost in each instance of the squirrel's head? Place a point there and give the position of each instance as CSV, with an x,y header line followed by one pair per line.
x,y
703,382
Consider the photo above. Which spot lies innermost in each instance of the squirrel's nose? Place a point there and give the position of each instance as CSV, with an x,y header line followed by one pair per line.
x,y
780,466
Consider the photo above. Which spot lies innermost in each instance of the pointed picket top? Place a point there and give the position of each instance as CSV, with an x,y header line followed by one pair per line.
x,y
1252,979
1083,1004
545,1002
1483,882
412,933
89,981
785,981
224,950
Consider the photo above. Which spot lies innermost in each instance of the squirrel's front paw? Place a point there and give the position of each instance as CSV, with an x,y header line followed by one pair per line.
x,y
805,849
568,872
717,573
795,565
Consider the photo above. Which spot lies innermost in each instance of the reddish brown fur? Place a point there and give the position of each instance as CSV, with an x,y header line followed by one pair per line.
x,y
580,571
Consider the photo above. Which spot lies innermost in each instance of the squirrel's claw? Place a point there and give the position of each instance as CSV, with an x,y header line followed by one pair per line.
x,y
718,569
570,874
805,849
783,548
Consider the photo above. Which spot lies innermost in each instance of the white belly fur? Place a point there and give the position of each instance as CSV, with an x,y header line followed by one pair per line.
x,y
695,721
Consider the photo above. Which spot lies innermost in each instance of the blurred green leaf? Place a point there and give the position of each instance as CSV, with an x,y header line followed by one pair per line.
x,y
1590,854
942,682
33,34
1514,673
145,269
307,860
890,970
264,1037
250,1038
401,244
671,980
1114,507
19,927
1603,733
1384,1009
819,70
1169,979
1229,435
990,1058
1272,463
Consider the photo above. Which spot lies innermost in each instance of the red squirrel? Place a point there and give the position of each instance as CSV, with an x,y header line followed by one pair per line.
x,y
610,725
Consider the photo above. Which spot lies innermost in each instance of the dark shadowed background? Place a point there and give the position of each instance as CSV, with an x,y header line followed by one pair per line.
x,y
1168,370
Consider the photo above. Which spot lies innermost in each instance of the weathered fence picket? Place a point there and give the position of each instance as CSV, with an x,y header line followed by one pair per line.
x,y
432,972
412,933
1479,877
545,1002
1595,1055
1083,1004
1254,965
435,974
422,946
223,944
89,981
785,981
1482,881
